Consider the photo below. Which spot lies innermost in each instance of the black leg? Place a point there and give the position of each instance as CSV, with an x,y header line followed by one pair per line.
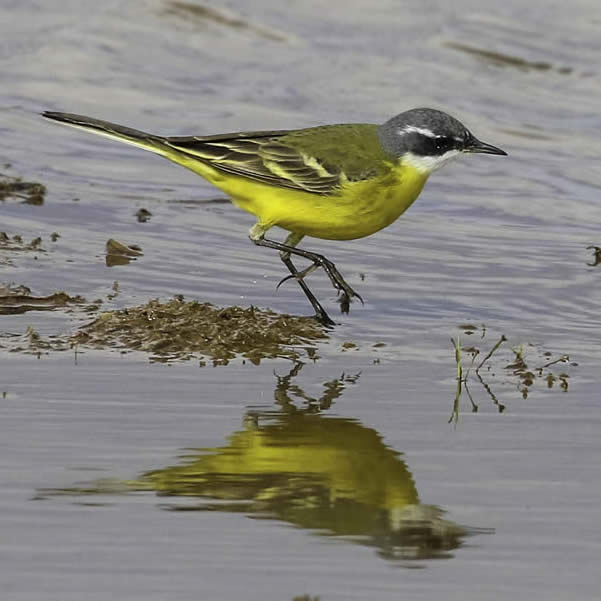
x,y
337,280
320,313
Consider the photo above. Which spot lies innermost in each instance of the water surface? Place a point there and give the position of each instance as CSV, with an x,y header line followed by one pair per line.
x,y
339,477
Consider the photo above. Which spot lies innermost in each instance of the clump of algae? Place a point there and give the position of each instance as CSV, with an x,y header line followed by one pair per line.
x,y
15,187
182,330
18,299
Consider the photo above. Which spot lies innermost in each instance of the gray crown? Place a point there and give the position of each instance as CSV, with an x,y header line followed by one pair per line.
x,y
424,132
428,132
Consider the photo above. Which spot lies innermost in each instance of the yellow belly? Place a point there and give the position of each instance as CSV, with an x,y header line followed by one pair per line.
x,y
357,210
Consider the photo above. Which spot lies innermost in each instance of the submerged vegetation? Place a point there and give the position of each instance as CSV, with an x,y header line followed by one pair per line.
x,y
520,366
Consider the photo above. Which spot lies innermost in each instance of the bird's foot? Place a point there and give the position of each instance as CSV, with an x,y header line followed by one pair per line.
x,y
345,291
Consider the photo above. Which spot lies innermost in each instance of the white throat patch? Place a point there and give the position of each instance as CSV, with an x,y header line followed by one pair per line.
x,y
427,164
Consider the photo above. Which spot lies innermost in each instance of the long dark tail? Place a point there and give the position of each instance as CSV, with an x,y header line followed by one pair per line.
x,y
111,130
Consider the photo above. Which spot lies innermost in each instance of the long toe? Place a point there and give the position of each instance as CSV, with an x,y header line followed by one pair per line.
x,y
298,276
339,282
288,277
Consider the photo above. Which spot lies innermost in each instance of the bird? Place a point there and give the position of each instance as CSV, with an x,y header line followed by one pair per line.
x,y
334,182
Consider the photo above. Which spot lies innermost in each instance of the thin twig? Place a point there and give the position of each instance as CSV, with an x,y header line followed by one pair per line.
x,y
490,354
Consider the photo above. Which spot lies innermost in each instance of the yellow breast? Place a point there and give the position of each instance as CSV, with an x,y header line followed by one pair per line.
x,y
358,209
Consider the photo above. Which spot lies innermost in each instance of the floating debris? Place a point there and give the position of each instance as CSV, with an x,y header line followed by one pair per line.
x,y
143,215
16,243
14,187
15,300
118,253
596,255
468,328
528,364
32,343
184,330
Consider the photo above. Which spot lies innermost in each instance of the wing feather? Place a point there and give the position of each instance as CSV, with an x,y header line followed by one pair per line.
x,y
265,159
319,160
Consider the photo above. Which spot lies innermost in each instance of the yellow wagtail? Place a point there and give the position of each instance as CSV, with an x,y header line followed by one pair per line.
x,y
337,182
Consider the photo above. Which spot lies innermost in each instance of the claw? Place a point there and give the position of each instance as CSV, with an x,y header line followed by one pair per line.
x,y
324,319
288,277
339,283
349,293
299,275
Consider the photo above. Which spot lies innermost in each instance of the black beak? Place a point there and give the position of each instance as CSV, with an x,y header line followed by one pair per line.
x,y
475,145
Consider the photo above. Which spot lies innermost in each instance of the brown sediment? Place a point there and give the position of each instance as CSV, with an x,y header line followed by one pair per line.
x,y
182,330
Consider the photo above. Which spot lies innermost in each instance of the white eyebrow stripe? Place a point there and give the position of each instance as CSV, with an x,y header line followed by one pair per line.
x,y
410,129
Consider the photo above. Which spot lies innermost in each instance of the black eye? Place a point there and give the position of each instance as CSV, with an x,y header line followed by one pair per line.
x,y
441,145
432,146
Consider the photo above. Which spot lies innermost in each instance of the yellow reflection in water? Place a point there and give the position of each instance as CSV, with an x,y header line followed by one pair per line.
x,y
296,463
319,472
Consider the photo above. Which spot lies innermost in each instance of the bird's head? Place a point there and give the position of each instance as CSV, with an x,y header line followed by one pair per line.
x,y
427,139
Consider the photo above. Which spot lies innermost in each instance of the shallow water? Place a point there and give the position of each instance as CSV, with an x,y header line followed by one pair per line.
x,y
499,242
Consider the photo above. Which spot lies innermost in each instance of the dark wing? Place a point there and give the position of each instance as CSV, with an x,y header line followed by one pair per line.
x,y
317,160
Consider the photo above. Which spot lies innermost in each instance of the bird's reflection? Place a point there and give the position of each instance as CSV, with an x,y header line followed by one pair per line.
x,y
329,474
